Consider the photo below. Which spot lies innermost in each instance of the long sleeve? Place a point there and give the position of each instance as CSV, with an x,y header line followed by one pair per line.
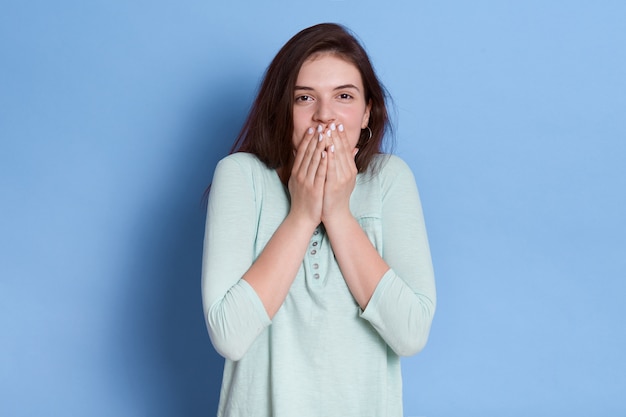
x,y
234,314
403,304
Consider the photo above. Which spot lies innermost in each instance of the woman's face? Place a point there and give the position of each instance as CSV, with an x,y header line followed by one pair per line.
x,y
329,90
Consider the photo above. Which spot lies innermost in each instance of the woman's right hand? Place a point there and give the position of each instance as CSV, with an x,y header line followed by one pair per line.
x,y
308,175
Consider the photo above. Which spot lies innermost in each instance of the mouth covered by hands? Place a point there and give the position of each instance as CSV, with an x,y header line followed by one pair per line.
x,y
323,174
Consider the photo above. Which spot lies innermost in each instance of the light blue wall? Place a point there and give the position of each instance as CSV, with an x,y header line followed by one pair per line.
x,y
114,113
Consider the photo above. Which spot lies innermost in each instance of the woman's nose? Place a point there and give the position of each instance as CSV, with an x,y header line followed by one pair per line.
x,y
324,113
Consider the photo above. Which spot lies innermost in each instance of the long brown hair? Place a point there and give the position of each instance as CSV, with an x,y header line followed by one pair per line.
x,y
267,132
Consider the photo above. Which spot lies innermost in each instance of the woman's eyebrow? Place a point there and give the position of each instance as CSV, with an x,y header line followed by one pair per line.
x,y
340,87
344,86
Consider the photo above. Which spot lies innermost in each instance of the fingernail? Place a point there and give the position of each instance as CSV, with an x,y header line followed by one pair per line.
x,y
320,128
328,133
332,148
310,131
332,126
340,128
323,154
320,138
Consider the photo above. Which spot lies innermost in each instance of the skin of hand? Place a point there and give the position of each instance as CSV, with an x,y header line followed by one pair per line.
x,y
308,176
341,174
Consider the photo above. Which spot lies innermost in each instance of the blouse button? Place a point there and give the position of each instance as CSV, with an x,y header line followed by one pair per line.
x,y
316,266
313,252
316,276
316,232
314,243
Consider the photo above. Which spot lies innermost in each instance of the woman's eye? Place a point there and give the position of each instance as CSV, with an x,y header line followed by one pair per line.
x,y
303,98
345,96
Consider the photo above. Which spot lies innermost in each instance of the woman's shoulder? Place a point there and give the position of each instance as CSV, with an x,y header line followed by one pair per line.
x,y
245,168
241,158
242,161
389,166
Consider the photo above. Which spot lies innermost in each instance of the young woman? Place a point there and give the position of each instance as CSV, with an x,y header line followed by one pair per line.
x,y
316,273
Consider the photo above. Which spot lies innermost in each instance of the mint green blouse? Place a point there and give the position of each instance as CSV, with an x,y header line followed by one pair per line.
x,y
321,355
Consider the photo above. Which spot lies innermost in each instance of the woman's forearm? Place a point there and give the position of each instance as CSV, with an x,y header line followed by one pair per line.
x,y
273,272
361,265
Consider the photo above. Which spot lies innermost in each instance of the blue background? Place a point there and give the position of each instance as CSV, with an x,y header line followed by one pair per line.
x,y
113,115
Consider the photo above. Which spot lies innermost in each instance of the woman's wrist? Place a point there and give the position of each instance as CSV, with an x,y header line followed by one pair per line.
x,y
338,219
301,221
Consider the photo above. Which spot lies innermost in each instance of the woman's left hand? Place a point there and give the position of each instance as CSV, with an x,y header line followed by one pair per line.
x,y
340,175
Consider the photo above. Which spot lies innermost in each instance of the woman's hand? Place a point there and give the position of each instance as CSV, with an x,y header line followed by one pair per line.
x,y
308,175
340,175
